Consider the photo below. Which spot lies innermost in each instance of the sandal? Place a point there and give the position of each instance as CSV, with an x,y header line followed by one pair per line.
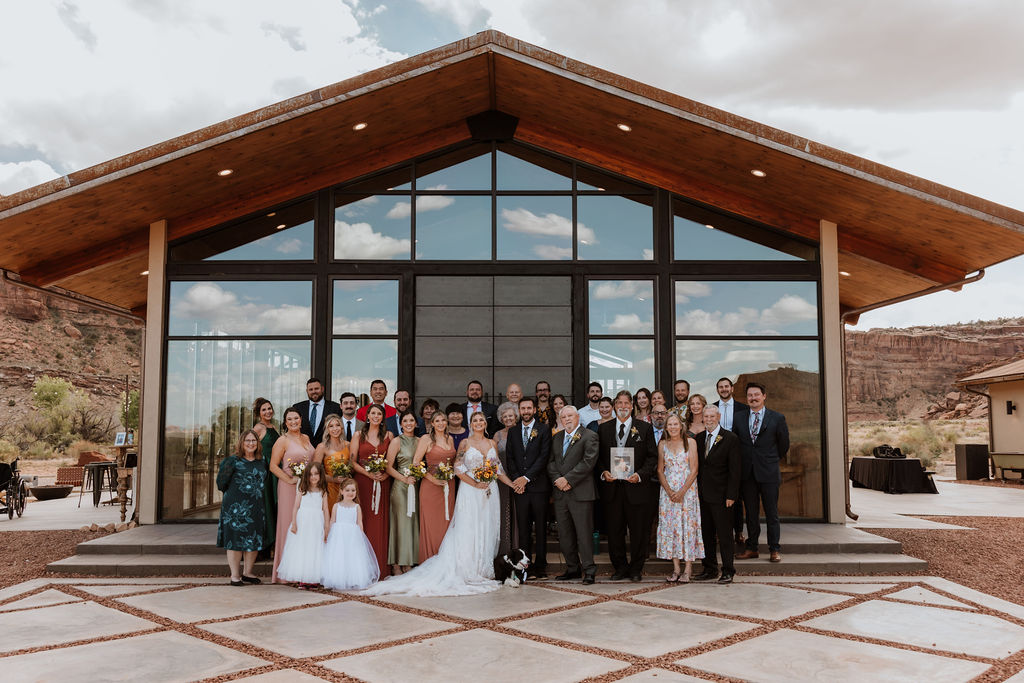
x,y
684,578
673,579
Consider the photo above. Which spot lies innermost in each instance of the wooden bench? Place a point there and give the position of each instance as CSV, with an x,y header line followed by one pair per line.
x,y
70,476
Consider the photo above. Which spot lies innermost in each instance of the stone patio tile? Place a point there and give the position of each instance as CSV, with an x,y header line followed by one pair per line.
x,y
64,624
475,655
504,602
223,602
810,657
122,589
41,599
926,597
745,600
281,676
327,628
927,627
606,587
165,657
615,625
984,599
660,676
855,588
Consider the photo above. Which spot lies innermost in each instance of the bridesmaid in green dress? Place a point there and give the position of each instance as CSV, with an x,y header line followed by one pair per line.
x,y
242,477
268,435
404,539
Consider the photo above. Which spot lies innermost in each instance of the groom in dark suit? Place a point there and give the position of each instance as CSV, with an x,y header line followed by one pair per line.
x,y
718,481
314,410
731,411
571,468
764,441
527,452
628,503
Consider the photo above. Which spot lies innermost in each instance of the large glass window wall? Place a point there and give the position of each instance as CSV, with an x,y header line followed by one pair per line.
x,y
324,285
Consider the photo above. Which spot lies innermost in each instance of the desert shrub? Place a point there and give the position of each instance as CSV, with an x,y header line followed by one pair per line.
x,y
48,393
8,451
922,441
38,451
130,410
80,446
63,415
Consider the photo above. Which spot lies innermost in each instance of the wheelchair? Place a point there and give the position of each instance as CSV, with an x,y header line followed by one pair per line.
x,y
13,491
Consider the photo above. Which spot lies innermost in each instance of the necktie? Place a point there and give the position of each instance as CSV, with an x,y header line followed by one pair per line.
x,y
348,430
757,425
707,444
526,435
312,417
565,444
622,430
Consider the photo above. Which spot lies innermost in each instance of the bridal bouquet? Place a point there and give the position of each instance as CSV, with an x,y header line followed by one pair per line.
x,y
486,473
376,463
445,472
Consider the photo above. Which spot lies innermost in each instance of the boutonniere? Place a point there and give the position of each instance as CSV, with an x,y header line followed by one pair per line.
x,y
717,439
533,435
634,433
575,437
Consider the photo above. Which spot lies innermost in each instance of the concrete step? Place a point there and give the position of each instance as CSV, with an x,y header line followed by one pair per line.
x,y
206,564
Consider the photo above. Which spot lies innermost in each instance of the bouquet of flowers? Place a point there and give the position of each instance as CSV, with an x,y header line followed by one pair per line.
x,y
486,473
444,471
376,463
297,468
339,468
418,471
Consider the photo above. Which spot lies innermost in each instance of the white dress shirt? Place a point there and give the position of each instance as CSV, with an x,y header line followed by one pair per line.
x,y
727,408
588,415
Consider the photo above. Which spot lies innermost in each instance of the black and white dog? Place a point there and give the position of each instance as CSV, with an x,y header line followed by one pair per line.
x,y
511,568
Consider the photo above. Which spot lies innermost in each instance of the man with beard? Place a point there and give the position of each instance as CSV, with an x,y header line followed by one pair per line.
x,y
590,412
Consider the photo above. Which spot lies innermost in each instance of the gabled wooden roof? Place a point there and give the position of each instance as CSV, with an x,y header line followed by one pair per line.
x,y
1010,372
88,231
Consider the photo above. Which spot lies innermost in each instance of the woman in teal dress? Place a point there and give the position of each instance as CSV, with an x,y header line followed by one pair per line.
x,y
242,477
404,533
268,434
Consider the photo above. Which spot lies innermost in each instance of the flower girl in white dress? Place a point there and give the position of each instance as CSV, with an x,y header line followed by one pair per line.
x,y
349,561
304,546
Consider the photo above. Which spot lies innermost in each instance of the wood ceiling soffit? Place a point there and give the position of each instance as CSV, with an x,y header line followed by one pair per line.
x,y
120,284
59,267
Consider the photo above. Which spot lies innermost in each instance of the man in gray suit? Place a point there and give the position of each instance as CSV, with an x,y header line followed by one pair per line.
x,y
571,467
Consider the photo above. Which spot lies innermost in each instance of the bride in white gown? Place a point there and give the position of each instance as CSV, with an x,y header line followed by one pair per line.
x,y
464,564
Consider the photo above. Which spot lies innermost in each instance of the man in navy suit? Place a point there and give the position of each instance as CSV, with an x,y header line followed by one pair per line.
x,y
527,452
730,410
764,441
475,404
403,402
314,410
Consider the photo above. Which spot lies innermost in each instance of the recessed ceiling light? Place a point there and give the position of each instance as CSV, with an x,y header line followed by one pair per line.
x,y
844,273
359,126
145,272
282,226
359,299
225,172
271,214
625,128
758,172
709,226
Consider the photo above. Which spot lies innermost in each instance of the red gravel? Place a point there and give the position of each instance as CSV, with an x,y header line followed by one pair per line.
x,y
26,553
987,557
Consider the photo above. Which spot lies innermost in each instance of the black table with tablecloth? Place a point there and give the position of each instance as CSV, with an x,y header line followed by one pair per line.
x,y
891,475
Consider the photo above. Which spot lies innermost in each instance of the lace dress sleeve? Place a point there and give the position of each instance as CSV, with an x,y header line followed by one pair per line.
x,y
460,460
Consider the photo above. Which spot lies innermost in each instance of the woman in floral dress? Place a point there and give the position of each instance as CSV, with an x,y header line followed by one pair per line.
x,y
679,534
242,477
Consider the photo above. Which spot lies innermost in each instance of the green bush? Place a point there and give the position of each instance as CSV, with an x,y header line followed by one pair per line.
x,y
38,451
8,451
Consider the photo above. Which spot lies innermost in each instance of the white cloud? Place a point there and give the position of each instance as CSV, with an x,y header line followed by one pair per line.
x,y
788,310
687,289
550,252
289,246
359,240
622,289
343,325
549,225
223,310
430,202
629,323
647,255
17,176
745,320
750,356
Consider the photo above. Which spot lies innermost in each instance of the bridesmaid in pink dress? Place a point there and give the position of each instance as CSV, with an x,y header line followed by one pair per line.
x,y
435,447
373,439
293,447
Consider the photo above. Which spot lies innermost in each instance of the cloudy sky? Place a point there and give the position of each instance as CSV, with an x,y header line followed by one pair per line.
x,y
932,87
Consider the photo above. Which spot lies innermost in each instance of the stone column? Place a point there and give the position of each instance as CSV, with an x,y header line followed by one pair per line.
x,y
833,384
150,437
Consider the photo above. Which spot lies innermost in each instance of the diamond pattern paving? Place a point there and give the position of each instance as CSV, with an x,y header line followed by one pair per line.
x,y
41,599
928,627
326,629
505,602
214,602
786,656
64,624
616,625
745,599
475,655
123,589
926,597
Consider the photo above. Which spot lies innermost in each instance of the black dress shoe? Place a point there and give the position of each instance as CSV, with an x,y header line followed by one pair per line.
x,y
706,575
725,578
635,578
568,576
588,579
620,576
251,579
237,583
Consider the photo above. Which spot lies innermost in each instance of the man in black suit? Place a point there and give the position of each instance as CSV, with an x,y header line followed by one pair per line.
x,y
628,503
527,451
403,402
764,441
350,424
475,404
730,410
718,482
571,468
314,410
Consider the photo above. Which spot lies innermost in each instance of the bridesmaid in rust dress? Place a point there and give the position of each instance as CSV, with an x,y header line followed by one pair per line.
x,y
292,448
435,447
373,440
